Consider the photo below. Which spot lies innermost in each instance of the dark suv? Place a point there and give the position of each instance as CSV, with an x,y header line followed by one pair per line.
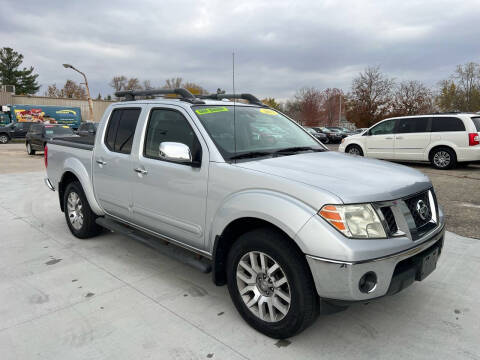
x,y
14,131
39,134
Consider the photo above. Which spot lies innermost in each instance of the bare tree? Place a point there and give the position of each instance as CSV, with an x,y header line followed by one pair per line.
x,y
53,92
331,106
412,97
371,97
173,83
118,83
308,105
147,85
467,78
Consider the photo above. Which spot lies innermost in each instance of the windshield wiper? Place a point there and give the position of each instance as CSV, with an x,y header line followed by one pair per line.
x,y
250,154
295,149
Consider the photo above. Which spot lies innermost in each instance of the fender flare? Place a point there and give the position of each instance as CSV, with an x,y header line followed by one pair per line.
x,y
76,167
285,212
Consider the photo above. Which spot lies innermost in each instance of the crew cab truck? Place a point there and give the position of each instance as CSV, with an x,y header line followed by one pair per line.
x,y
292,228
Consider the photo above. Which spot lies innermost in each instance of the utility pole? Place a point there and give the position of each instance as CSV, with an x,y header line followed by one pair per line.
x,y
340,109
89,98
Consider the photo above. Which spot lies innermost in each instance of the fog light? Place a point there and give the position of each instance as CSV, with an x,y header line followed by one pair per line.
x,y
368,282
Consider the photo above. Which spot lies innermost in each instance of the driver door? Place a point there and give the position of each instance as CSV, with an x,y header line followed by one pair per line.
x,y
380,142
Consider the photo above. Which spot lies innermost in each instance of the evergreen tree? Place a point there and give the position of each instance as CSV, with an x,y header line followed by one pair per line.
x,y
24,79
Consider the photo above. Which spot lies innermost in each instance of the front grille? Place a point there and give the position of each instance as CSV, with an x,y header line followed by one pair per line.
x,y
421,214
390,219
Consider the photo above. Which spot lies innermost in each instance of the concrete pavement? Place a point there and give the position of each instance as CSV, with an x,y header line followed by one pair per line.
x,y
112,298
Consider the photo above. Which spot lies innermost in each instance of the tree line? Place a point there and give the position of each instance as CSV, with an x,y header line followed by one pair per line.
x,y
372,96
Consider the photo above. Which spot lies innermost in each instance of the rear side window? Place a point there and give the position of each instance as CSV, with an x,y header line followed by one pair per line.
x,y
121,129
476,122
440,124
412,125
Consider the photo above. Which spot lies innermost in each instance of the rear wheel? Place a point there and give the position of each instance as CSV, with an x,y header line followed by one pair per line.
x,y
4,139
354,150
30,151
80,217
443,158
270,283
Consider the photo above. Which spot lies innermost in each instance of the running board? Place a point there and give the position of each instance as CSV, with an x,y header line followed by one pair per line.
x,y
167,248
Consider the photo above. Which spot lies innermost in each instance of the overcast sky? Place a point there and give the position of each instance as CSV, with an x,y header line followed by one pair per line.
x,y
280,46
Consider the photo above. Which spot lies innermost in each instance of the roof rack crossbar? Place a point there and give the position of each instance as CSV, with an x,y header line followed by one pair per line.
x,y
251,98
130,95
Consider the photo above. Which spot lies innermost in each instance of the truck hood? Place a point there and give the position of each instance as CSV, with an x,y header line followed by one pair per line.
x,y
351,178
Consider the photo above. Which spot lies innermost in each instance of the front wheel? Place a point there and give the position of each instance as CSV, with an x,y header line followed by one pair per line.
x,y
270,283
354,150
30,151
80,217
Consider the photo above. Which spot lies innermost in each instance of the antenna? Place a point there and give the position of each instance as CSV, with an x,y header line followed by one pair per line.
x,y
233,86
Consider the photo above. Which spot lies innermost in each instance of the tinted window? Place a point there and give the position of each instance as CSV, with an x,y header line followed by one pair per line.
x,y
447,124
412,125
121,129
383,128
58,130
476,122
169,126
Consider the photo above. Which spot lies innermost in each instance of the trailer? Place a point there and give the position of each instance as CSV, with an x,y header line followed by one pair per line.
x,y
64,115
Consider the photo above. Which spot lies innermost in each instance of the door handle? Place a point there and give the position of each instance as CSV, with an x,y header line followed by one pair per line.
x,y
388,138
101,162
141,171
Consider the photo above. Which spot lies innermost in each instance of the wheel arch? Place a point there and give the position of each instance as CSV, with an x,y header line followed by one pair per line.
x,y
438,146
75,170
230,234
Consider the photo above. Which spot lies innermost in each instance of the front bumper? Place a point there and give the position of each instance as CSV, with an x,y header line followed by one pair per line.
x,y
339,280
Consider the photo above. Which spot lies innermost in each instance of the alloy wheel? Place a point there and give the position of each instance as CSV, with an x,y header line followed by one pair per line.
x,y
263,286
441,159
75,210
354,151
3,139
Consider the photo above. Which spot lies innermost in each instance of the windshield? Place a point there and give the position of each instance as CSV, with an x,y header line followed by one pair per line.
x,y
256,130
58,130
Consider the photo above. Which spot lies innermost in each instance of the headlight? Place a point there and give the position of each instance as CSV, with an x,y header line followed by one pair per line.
x,y
354,221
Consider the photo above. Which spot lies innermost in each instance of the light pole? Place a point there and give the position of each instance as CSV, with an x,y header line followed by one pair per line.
x,y
89,98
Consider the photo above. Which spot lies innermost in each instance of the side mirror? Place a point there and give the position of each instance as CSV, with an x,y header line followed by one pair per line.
x,y
175,152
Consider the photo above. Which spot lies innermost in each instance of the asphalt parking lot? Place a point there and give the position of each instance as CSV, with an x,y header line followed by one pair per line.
x,y
113,298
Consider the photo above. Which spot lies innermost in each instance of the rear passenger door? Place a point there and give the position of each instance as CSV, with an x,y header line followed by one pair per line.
x,y
412,137
170,198
112,165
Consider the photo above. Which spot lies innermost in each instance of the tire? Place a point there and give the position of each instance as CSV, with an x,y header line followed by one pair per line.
x,y
326,141
78,214
443,158
4,138
275,248
354,150
30,151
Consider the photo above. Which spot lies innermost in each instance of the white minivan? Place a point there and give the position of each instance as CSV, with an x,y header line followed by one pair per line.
x,y
442,139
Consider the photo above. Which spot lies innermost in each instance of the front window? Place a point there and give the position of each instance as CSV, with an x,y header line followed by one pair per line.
x,y
245,129
383,128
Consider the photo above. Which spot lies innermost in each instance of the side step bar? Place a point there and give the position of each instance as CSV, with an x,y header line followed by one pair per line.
x,y
169,249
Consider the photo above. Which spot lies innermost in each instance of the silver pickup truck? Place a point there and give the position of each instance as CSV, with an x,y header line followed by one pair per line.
x,y
293,229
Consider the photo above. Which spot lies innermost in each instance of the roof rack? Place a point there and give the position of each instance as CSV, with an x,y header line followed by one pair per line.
x,y
251,98
184,94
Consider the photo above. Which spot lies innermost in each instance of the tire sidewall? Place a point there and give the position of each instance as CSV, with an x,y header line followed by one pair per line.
x,y
89,227
453,159
4,139
360,152
253,241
